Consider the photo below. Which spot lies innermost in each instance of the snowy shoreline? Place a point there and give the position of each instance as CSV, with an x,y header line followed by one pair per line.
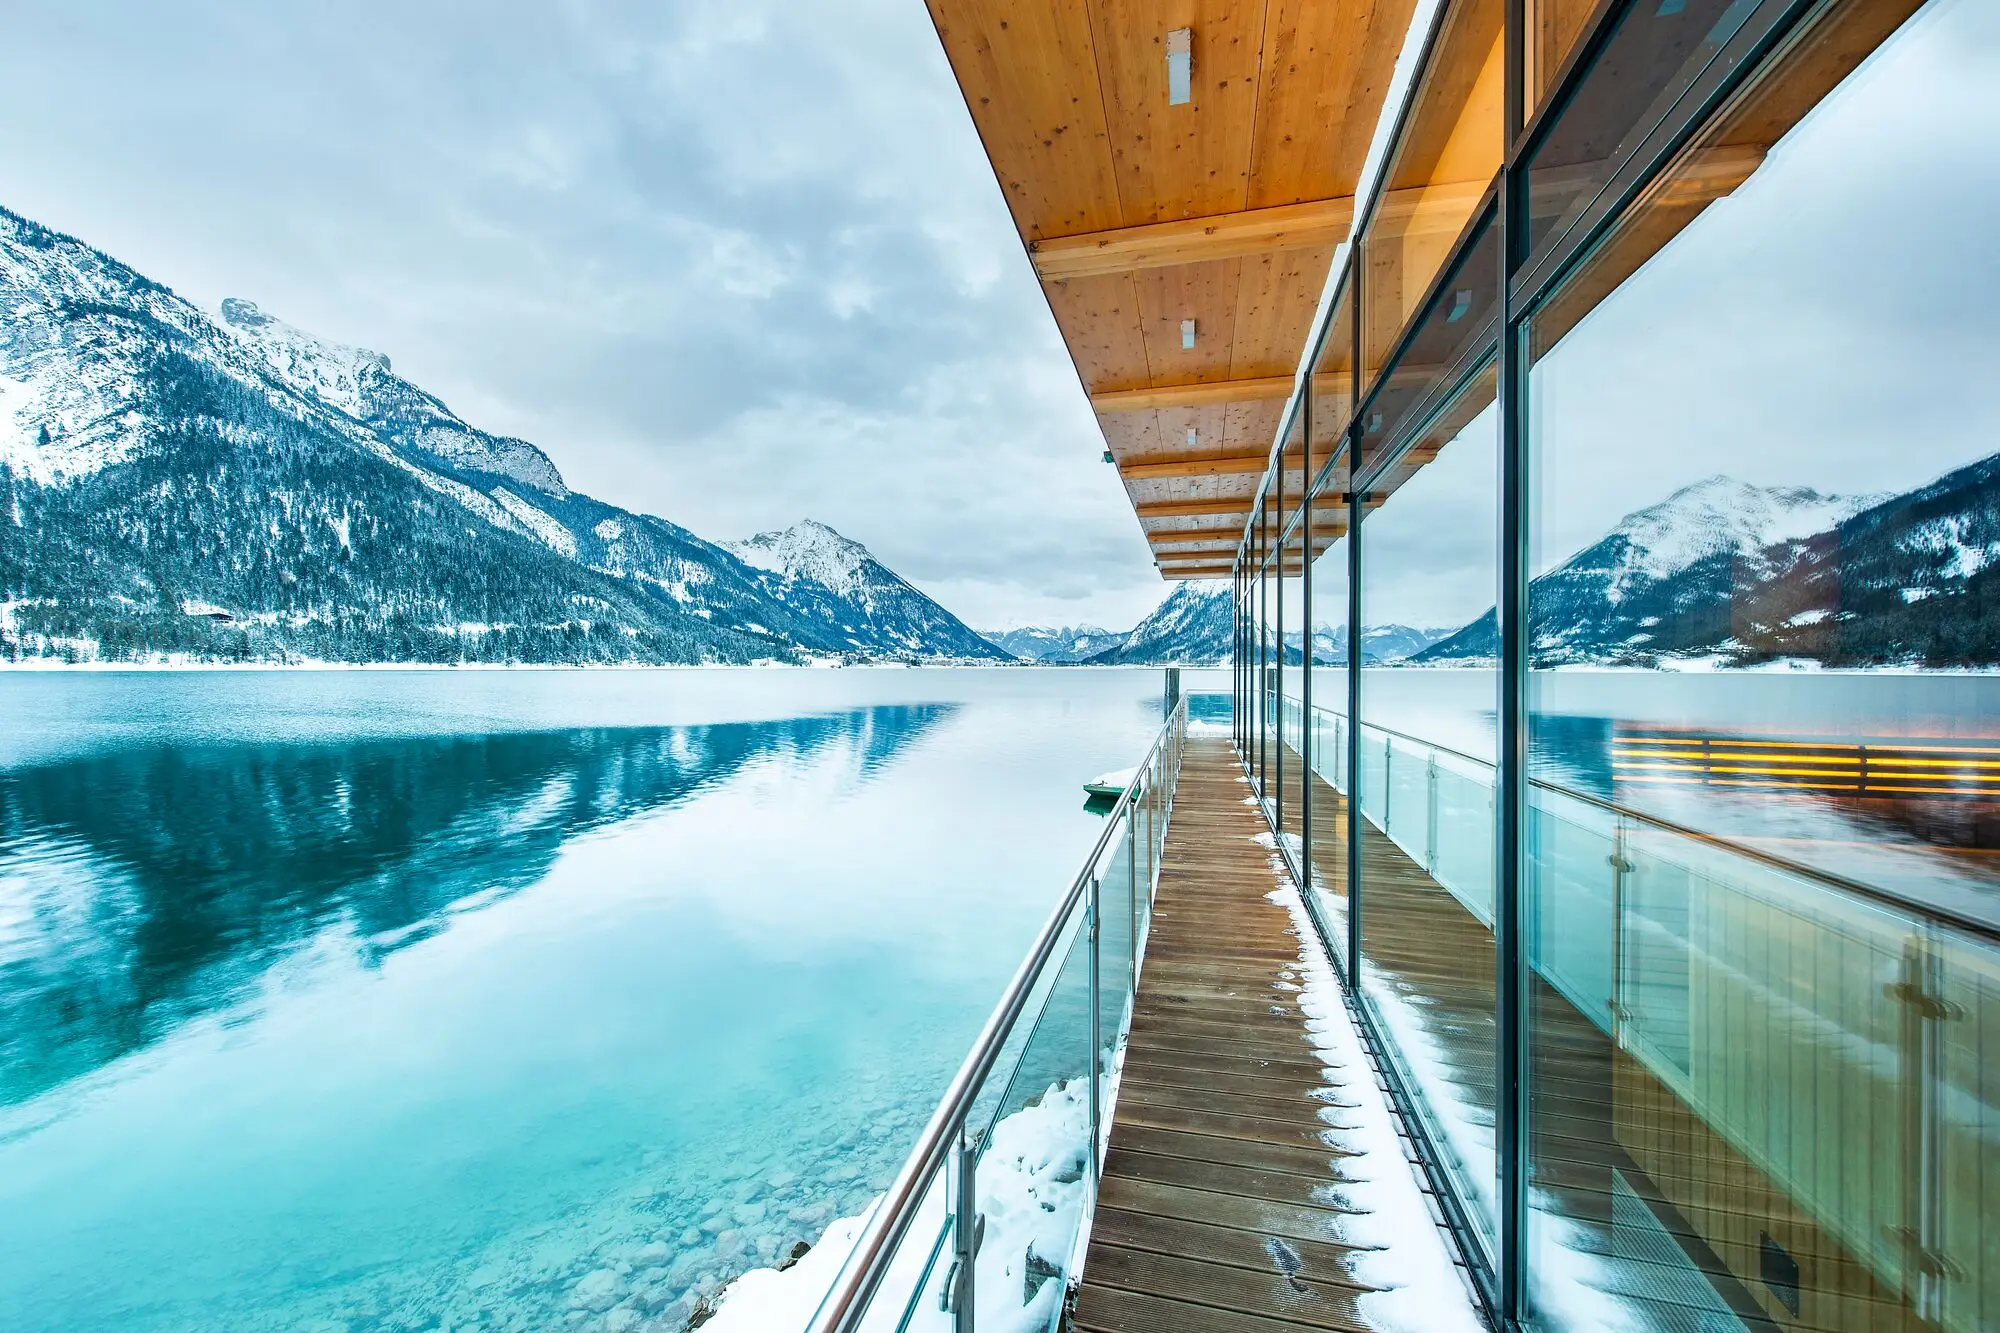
x,y
1032,1187
51,666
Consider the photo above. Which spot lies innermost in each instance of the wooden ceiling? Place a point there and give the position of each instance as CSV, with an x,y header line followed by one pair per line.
x,y
1140,215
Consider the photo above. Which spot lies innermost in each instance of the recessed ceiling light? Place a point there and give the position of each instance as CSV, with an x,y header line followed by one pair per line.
x,y
1193,436
1180,66
1187,335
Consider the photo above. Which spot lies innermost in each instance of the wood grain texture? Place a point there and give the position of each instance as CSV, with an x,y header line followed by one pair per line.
x,y
1276,387
1141,214
1319,224
1222,1201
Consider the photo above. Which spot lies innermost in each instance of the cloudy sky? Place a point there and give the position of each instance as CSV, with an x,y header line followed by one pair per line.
x,y
736,262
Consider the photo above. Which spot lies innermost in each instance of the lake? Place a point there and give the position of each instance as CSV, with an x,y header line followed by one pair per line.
x,y
371,1000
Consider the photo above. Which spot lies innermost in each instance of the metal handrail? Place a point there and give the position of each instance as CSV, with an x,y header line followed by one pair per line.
x,y
1771,860
868,1263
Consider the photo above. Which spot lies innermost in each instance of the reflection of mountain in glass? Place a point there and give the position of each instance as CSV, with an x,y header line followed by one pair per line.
x,y
141,888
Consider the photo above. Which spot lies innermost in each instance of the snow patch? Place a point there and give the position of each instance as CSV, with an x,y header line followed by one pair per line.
x,y
545,527
1401,1251
1031,1186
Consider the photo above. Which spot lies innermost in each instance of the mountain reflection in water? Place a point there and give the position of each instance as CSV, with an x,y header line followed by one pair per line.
x,y
142,888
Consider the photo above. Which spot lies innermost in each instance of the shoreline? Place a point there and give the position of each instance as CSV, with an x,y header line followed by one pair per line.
x,y
51,667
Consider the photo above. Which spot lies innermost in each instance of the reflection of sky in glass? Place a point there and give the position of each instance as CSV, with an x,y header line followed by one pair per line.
x,y
1829,325
356,1004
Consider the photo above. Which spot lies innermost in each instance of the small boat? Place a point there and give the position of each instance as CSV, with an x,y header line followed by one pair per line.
x,y
1111,784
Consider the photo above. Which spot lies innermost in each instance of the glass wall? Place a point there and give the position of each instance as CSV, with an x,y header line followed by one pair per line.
x,y
1760,1064
1428,701
1678,657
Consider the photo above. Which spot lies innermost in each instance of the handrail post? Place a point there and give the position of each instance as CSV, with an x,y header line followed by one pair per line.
x,y
1431,817
966,1232
1090,924
1132,939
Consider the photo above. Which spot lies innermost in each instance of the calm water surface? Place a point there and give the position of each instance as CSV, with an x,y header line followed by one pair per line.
x,y
381,1000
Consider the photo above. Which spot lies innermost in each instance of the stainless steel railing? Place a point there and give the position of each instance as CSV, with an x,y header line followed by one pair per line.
x,y
920,1252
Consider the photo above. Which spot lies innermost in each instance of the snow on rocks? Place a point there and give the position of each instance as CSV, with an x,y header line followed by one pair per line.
x,y
1032,1185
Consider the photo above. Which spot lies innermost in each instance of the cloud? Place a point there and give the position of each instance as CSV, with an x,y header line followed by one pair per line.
x,y
735,263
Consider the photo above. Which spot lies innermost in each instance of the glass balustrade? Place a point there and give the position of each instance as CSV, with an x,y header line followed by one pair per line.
x,y
986,1224
1774,1035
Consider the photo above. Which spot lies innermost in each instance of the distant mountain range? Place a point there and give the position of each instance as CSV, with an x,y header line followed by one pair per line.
x,y
1725,573
1379,644
1191,627
1064,645
174,485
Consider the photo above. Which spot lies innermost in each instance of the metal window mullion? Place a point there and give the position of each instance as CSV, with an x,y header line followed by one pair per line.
x,y
1305,645
1278,676
1509,898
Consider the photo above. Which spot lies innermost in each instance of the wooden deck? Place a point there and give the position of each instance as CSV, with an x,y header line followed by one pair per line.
x,y
1209,1217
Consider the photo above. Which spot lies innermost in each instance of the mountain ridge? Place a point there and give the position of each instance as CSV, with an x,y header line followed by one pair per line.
x,y
1058,645
155,458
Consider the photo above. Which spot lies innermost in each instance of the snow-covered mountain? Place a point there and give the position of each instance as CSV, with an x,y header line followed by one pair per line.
x,y
172,483
359,383
1057,645
1666,577
819,573
1190,627
1379,643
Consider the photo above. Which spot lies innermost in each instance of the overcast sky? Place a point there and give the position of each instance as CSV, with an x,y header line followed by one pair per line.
x,y
739,262
734,262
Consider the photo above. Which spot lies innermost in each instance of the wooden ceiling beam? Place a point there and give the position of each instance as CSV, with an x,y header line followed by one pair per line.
x,y
1322,223
1208,465
1147,509
1194,538
1203,394
1230,530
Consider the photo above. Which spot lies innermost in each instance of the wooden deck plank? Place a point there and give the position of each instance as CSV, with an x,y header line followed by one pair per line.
x,y
1222,1202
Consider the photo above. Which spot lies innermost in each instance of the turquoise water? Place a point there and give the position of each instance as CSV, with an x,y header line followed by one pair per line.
x,y
383,1000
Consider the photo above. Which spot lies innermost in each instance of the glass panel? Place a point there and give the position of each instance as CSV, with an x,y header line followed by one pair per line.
x,y
1661,62
1329,731
1267,707
1554,26
1117,904
1032,1179
1456,327
1333,382
1292,746
1427,843
1759,1071
1438,172
1967,1029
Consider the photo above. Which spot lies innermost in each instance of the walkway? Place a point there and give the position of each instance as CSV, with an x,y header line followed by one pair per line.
x,y
1211,1215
